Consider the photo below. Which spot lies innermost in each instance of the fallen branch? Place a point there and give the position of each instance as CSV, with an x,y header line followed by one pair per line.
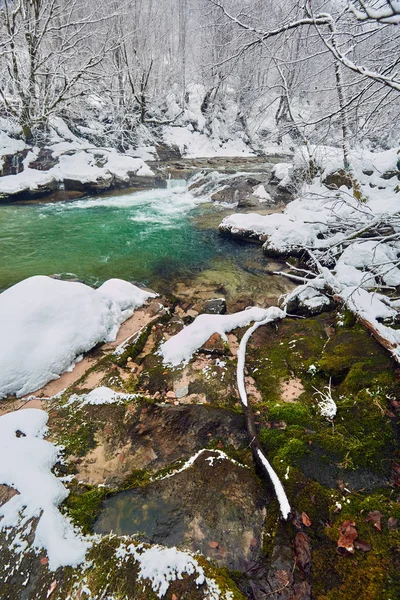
x,y
258,454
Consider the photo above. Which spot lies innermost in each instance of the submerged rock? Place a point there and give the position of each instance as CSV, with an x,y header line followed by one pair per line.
x,y
216,507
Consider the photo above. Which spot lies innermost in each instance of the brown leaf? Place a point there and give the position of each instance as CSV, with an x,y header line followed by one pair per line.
x,y
51,588
375,517
174,597
302,551
360,545
282,577
348,533
305,519
213,544
392,523
44,560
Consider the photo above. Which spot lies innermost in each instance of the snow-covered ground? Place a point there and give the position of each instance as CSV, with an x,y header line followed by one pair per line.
x,y
330,224
47,325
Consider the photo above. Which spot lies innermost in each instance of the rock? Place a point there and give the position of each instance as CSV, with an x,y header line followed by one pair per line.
x,y
238,190
168,153
368,172
216,306
182,391
13,163
308,303
216,507
6,493
44,160
214,345
390,174
337,179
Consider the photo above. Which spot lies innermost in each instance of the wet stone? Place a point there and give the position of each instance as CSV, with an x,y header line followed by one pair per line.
x,y
214,507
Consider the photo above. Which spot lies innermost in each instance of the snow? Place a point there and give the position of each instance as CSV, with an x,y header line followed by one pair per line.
x,y
47,324
101,395
218,455
25,465
194,144
281,170
9,145
162,565
78,160
261,193
180,347
280,492
308,220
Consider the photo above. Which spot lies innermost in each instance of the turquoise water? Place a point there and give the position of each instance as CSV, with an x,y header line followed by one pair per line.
x,y
148,237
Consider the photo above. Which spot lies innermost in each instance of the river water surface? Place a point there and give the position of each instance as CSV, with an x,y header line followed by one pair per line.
x,y
155,237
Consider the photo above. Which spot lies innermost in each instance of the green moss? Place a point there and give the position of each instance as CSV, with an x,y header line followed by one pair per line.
x,y
354,359
363,436
134,348
371,574
83,505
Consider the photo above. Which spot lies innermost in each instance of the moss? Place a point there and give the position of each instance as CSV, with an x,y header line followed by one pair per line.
x,y
226,579
371,574
277,355
363,436
134,348
84,504
355,359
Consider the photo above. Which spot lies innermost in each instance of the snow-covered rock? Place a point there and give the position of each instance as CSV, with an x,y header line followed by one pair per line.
x,y
46,324
25,465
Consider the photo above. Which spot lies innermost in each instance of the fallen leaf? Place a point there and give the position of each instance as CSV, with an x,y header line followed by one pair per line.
x,y
282,577
174,597
305,519
44,560
51,588
213,544
360,545
375,517
348,533
392,522
302,552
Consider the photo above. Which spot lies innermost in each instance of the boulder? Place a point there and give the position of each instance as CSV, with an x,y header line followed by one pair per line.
x,y
216,306
13,163
337,179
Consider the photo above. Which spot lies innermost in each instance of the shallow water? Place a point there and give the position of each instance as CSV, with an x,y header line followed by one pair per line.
x,y
154,237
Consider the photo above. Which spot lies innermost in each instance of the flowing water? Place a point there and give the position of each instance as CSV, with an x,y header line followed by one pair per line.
x,y
156,237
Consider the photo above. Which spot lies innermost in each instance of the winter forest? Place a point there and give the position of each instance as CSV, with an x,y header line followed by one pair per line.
x,y
199,299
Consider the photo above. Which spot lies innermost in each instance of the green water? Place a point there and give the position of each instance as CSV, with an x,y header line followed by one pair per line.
x,y
149,237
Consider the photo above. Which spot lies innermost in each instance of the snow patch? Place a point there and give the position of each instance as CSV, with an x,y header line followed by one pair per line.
x,y
25,465
180,347
101,395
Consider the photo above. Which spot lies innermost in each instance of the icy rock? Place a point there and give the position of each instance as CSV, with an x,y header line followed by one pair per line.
x,y
216,306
